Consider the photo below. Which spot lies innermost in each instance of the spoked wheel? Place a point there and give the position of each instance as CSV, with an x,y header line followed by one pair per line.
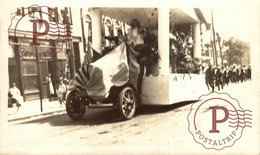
x,y
127,103
75,107
13,106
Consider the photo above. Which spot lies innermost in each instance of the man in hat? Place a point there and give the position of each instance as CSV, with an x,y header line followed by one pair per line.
x,y
219,78
210,77
249,73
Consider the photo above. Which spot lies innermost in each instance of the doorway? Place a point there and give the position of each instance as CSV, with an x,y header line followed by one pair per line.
x,y
44,78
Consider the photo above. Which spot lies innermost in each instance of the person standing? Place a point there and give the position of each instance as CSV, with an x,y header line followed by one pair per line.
x,y
249,73
230,75
210,77
61,91
219,80
136,42
242,74
51,88
207,75
134,37
237,74
225,77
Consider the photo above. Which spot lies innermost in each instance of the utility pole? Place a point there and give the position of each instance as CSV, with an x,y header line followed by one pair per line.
x,y
220,50
39,71
214,39
213,53
69,41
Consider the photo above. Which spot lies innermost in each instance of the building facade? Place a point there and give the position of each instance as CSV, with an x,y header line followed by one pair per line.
x,y
32,77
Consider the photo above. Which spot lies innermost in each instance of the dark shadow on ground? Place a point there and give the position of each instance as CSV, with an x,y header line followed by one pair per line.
x,y
154,109
106,115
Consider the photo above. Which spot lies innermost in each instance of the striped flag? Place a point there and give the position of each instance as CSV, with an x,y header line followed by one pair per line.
x,y
114,69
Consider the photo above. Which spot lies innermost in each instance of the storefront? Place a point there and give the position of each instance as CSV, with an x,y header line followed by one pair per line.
x,y
26,75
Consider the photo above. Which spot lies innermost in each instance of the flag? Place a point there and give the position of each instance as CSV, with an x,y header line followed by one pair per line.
x,y
114,69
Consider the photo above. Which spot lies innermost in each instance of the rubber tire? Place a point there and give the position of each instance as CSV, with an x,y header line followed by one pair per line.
x,y
73,106
120,103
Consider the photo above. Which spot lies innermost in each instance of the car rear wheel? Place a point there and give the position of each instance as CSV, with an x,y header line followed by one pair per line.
x,y
75,107
127,103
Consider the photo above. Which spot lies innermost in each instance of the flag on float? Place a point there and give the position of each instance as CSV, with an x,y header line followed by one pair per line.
x,y
114,69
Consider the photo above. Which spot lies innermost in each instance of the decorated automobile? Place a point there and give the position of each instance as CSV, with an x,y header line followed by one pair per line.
x,y
147,64
111,79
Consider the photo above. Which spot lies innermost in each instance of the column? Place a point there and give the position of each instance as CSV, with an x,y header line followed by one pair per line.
x,y
163,40
196,40
96,30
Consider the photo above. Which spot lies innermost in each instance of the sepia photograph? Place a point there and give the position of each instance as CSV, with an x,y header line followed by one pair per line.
x,y
130,77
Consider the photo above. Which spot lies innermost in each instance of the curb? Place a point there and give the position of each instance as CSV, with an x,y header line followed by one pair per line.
x,y
40,114
55,111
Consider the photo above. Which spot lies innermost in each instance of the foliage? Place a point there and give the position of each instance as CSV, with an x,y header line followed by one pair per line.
x,y
183,47
236,50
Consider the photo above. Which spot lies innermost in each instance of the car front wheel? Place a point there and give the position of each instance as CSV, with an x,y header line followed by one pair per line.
x,y
75,107
127,103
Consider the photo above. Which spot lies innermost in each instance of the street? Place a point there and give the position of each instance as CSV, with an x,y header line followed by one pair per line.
x,y
160,129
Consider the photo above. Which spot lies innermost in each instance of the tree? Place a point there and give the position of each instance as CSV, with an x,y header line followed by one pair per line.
x,y
237,51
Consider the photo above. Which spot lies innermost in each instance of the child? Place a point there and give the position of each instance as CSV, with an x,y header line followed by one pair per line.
x,y
61,92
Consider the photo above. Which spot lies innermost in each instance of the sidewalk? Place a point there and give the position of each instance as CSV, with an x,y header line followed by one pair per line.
x,y
31,109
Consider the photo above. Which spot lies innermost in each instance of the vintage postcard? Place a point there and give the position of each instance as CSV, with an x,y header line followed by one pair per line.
x,y
130,77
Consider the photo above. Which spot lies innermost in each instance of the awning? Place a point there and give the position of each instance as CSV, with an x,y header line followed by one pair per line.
x,y
150,15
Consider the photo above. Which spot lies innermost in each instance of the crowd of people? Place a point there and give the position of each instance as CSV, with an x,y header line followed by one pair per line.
x,y
223,76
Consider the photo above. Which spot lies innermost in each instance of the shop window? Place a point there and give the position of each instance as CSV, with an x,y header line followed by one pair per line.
x,y
30,83
29,68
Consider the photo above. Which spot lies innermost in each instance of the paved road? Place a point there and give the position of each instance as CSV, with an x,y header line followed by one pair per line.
x,y
158,129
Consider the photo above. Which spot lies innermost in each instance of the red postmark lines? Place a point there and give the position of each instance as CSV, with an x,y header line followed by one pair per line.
x,y
217,120
39,34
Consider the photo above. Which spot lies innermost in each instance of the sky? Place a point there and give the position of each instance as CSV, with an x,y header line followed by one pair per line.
x,y
237,19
